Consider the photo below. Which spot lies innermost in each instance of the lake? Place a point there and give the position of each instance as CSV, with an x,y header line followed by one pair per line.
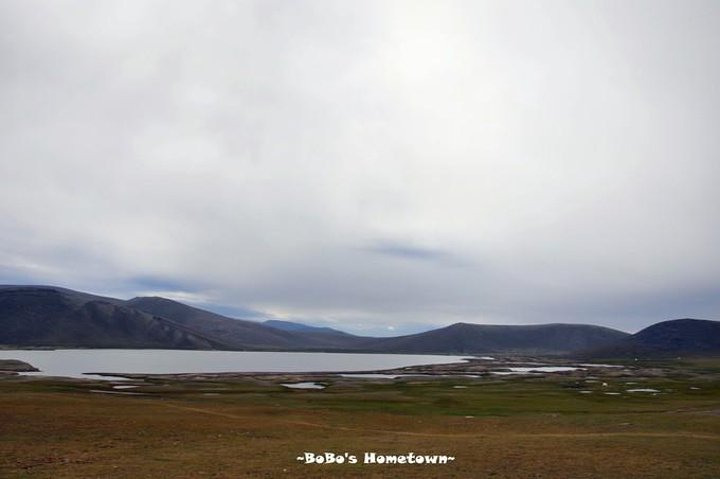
x,y
75,363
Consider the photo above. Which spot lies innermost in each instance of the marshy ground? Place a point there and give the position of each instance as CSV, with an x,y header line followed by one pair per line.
x,y
576,424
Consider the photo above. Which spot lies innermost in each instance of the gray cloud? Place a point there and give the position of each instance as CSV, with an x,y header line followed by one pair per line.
x,y
408,251
239,152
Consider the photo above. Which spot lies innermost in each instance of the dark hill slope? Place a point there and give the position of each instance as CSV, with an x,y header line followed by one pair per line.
x,y
57,317
466,338
677,337
48,316
53,317
240,333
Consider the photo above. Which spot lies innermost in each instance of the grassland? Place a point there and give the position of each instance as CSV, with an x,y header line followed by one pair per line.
x,y
513,427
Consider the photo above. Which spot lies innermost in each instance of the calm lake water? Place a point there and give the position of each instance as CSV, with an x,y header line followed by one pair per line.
x,y
75,362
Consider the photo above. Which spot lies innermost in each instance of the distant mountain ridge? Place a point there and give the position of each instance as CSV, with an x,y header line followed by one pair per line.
x,y
293,326
47,316
677,337
238,333
464,338
50,317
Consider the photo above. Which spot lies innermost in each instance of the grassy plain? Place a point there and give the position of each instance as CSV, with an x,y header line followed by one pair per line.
x,y
502,427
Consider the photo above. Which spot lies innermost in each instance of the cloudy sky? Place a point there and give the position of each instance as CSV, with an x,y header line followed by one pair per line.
x,y
381,166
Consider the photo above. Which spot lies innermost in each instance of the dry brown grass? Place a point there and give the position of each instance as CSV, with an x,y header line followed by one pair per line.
x,y
48,433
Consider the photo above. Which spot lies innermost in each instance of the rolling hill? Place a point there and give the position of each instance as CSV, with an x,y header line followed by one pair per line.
x,y
241,334
678,337
55,317
46,316
464,338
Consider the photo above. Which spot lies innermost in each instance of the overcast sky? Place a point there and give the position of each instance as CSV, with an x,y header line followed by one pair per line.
x,y
381,166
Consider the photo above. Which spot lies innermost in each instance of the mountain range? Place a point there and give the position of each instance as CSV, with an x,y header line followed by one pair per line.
x,y
678,337
54,317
